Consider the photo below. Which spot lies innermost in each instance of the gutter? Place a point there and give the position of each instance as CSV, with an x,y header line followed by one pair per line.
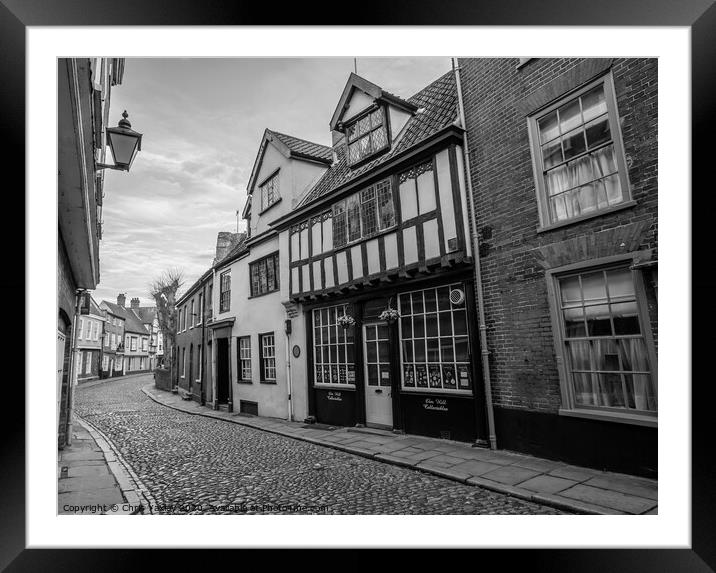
x,y
478,274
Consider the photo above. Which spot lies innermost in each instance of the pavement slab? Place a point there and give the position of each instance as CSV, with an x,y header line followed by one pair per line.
x,y
510,475
606,498
547,484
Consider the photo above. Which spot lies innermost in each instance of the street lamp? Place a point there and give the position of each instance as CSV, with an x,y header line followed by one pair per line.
x,y
124,143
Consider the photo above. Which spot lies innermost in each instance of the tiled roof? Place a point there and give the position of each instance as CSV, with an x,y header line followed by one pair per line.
x,y
437,108
132,322
305,148
146,314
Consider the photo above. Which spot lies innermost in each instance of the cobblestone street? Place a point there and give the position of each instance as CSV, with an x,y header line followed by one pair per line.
x,y
193,464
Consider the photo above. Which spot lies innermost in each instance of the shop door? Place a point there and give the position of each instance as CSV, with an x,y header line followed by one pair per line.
x,y
378,395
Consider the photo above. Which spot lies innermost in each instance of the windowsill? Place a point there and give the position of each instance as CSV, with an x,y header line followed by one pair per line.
x,y
605,416
581,218
244,382
263,294
276,202
267,382
350,387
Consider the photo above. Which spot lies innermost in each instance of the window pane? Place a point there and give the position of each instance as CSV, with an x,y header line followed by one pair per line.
x,y
433,347
430,302
418,327
552,153
585,199
407,351
353,212
417,302
626,319
447,352
386,208
603,161
574,322
548,127
383,352
598,132
406,325
593,103
445,323
598,323
431,324
405,304
620,284
611,392
583,393
380,139
444,298
461,349
594,287
613,189
570,289
573,144
569,116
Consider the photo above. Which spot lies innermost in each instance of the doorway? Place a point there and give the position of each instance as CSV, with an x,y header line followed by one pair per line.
x,y
377,371
222,370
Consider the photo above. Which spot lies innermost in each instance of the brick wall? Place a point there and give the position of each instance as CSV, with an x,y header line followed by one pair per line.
x,y
498,96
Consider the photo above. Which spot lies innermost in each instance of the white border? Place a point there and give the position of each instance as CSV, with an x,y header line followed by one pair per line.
x,y
671,528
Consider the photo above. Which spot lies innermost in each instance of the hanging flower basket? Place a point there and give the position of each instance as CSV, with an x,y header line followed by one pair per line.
x,y
346,321
389,315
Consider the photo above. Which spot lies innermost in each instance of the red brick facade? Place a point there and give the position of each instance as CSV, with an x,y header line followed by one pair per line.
x,y
515,253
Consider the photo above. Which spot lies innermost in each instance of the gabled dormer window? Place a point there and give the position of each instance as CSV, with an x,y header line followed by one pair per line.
x,y
366,136
269,192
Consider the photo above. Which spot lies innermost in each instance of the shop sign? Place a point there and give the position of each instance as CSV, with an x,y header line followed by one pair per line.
x,y
439,404
434,376
448,376
335,396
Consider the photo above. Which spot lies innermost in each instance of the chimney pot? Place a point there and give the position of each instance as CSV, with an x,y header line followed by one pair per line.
x,y
121,299
134,303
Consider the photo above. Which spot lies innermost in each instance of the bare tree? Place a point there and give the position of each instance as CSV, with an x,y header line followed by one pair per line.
x,y
164,290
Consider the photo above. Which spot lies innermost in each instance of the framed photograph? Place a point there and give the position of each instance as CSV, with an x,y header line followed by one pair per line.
x,y
201,149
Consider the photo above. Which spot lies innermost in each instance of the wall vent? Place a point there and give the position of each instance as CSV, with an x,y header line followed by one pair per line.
x,y
457,296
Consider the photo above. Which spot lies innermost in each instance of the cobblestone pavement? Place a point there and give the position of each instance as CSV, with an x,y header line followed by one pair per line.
x,y
193,464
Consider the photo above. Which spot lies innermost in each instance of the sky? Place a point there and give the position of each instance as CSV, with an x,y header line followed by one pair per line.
x,y
202,121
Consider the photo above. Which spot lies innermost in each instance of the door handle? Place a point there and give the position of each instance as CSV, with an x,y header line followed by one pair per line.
x,y
378,391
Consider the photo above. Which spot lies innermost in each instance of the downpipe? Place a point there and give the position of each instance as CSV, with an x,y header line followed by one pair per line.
x,y
478,274
289,381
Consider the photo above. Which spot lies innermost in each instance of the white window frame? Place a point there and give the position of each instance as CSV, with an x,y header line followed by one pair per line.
x,y
537,161
193,311
319,343
569,407
267,356
244,359
226,274
81,329
428,389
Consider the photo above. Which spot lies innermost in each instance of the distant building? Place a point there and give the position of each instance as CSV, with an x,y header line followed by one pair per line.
x,y
131,353
150,320
89,342
113,344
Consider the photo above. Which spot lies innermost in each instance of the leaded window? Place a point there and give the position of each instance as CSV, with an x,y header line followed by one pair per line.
x,y
268,356
434,341
578,155
366,136
606,353
245,358
269,192
333,350
363,214
264,275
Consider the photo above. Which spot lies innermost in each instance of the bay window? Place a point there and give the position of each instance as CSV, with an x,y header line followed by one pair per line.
x,y
264,275
363,214
578,157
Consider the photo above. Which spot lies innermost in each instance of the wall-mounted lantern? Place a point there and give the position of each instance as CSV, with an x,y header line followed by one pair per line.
x,y
124,143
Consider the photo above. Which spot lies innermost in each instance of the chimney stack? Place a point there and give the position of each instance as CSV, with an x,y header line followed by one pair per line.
x,y
135,304
121,299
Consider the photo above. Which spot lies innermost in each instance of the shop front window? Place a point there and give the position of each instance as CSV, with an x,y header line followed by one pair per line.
x,y
333,351
434,341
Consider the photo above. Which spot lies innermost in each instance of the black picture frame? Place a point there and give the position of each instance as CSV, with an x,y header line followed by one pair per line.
x,y
699,15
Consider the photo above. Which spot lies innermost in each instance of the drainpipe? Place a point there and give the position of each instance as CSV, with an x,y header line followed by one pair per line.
x,y
478,274
288,370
